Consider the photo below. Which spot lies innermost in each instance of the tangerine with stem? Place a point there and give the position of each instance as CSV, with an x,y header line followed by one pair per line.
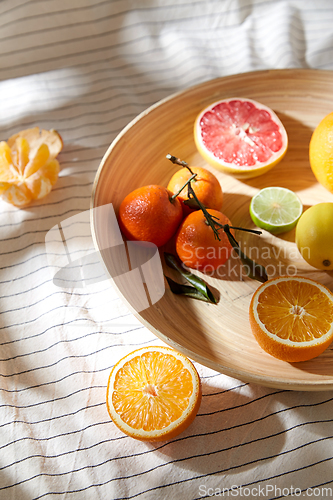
x,y
205,185
254,270
197,245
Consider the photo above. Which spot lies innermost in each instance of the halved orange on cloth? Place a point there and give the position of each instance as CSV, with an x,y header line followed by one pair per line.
x,y
153,393
292,318
28,168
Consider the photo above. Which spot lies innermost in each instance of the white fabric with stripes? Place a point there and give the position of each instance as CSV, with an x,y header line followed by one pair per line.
x,y
86,68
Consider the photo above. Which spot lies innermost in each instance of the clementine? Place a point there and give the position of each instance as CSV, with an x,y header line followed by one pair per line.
x,y
149,213
196,244
205,185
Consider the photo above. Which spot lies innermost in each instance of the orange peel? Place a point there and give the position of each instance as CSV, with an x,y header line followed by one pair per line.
x,y
28,165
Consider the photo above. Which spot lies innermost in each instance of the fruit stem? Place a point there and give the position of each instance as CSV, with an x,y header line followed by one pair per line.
x,y
261,275
181,189
178,161
254,231
191,194
210,218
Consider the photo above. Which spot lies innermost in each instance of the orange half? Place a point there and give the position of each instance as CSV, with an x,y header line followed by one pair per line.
x,y
153,393
292,318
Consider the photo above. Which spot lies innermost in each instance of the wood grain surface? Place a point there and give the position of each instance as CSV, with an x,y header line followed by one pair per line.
x,y
219,336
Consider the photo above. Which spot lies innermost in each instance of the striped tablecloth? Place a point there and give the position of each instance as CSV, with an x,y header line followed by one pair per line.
x,y
86,68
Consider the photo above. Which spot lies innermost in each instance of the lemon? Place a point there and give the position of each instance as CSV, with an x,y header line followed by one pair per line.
x,y
321,152
314,236
276,209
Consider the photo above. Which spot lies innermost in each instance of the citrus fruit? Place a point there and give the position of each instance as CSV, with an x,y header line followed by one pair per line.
x,y
276,209
292,318
321,152
205,185
149,214
196,245
153,393
240,136
28,168
314,236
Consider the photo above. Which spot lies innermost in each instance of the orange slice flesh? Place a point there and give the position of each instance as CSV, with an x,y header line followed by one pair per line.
x,y
292,318
153,393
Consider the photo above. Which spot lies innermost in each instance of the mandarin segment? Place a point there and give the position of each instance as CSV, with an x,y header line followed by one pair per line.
x,y
28,168
153,393
8,171
22,154
17,194
37,161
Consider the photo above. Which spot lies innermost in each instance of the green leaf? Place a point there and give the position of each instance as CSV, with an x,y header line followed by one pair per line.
x,y
188,291
191,203
201,287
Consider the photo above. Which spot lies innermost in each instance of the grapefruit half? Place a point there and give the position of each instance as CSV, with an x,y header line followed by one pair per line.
x,y
240,137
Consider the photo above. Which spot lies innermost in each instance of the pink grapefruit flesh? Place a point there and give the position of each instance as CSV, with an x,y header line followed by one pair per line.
x,y
240,136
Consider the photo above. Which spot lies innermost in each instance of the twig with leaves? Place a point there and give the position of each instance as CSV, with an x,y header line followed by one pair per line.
x,y
254,271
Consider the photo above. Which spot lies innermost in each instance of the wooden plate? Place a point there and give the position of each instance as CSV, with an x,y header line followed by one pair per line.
x,y
219,336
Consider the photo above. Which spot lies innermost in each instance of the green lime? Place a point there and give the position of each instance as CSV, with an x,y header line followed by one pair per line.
x,y
276,209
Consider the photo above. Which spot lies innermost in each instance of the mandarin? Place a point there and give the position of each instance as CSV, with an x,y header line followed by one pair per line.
x,y
196,244
205,185
149,213
28,168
